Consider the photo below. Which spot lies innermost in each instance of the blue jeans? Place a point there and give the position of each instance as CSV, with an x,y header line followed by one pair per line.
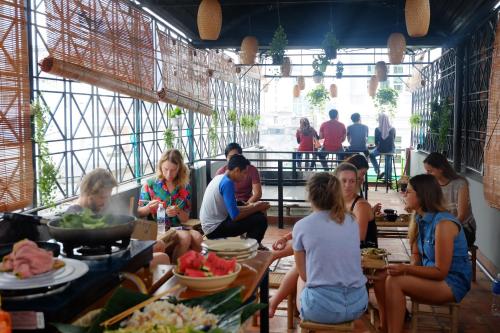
x,y
388,164
309,164
332,305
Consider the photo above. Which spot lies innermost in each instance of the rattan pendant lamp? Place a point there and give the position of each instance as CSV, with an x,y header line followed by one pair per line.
x,y
333,90
381,71
296,91
396,45
418,16
209,19
249,48
372,86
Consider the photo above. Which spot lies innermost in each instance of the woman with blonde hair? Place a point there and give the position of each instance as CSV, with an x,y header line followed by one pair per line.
x,y
307,138
171,189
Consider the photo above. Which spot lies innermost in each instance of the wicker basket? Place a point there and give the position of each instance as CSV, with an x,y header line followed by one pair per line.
x,y
396,44
301,82
333,90
286,67
209,19
381,71
417,16
296,91
249,48
372,86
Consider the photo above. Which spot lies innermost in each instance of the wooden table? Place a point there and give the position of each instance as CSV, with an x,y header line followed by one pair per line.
x,y
254,273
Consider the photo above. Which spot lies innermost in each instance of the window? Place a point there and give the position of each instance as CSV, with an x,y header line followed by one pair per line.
x,y
398,69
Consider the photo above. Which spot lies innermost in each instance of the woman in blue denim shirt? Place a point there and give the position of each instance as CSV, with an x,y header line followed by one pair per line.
x,y
440,270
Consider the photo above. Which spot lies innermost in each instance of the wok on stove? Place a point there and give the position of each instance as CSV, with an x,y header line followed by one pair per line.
x,y
118,227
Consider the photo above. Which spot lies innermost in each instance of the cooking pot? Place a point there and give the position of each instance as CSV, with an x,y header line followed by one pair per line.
x,y
118,227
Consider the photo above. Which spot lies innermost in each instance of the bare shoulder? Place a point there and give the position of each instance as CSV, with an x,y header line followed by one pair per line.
x,y
363,208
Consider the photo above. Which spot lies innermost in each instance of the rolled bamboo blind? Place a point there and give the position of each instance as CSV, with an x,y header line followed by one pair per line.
x,y
491,179
16,168
107,37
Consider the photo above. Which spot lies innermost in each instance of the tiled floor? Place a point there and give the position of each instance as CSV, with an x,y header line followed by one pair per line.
x,y
474,316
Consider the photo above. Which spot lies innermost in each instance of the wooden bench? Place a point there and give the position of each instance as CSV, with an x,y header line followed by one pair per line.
x,y
451,315
310,326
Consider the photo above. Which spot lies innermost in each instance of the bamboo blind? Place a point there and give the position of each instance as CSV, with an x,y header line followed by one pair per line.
x,y
108,38
491,180
185,75
16,169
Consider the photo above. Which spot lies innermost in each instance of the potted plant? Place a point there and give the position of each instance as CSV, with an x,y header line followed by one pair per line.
x,y
212,138
330,45
47,171
386,100
232,115
319,64
439,123
278,45
249,123
168,138
415,120
339,70
174,115
318,96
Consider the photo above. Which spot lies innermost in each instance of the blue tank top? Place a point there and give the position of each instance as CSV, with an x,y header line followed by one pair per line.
x,y
460,274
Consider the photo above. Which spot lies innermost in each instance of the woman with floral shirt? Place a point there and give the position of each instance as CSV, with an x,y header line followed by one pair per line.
x,y
171,189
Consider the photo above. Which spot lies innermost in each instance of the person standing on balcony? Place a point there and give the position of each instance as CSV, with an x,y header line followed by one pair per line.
x,y
249,189
307,138
219,213
385,135
455,191
334,133
357,134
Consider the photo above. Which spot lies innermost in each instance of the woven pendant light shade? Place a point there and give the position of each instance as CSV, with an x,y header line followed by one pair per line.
x,y
249,48
418,17
286,67
381,71
209,19
301,82
333,90
372,86
396,44
296,91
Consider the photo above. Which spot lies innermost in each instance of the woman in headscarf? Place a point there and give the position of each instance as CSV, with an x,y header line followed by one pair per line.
x,y
384,142
307,138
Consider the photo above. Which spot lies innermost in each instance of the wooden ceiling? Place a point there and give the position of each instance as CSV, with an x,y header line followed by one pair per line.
x,y
356,23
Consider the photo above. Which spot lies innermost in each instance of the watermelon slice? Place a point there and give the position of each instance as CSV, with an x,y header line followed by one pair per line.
x,y
190,259
194,272
219,266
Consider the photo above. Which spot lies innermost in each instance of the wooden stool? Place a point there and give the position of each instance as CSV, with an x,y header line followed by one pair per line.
x,y
473,258
275,280
310,327
452,315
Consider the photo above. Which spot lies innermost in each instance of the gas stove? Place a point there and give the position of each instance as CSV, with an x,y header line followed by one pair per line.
x,y
64,302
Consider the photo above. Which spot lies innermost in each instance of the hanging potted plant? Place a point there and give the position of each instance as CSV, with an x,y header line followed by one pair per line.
x,y
278,45
386,100
330,45
319,66
339,70
232,115
249,123
168,138
175,116
441,115
415,120
318,96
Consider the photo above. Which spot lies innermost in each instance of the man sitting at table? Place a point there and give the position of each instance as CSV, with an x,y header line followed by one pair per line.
x,y
221,217
249,189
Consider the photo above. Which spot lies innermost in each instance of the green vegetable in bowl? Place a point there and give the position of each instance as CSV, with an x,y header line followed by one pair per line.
x,y
86,220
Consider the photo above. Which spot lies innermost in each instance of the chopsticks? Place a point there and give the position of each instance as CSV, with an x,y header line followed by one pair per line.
x,y
128,312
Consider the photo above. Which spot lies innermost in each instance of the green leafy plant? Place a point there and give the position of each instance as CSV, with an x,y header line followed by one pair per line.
x,y
212,138
215,116
174,113
339,70
439,123
232,115
415,120
249,123
330,44
318,96
278,45
320,63
386,100
47,172
168,138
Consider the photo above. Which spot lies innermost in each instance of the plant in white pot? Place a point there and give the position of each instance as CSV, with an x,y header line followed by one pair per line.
x,y
320,63
175,116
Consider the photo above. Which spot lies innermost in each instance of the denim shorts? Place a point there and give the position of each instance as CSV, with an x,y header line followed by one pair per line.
x,y
331,305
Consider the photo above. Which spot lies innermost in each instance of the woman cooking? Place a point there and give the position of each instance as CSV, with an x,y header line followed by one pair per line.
x,y
171,189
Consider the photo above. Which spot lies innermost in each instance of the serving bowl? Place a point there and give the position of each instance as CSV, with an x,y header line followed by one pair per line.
x,y
208,283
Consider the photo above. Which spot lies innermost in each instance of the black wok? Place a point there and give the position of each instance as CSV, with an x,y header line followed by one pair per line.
x,y
118,227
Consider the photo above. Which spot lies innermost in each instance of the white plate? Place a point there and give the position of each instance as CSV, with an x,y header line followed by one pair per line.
x,y
230,244
72,270
232,252
232,255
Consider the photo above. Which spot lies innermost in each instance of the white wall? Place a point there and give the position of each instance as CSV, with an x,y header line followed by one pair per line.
x,y
487,218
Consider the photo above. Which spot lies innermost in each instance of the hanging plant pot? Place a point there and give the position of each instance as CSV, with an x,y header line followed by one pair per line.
x,y
372,86
396,45
249,48
417,16
381,71
286,67
333,90
175,122
209,19
318,77
331,53
301,82
296,91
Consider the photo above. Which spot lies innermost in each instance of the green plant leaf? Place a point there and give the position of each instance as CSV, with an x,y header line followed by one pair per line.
x,y
168,138
386,100
278,45
318,96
